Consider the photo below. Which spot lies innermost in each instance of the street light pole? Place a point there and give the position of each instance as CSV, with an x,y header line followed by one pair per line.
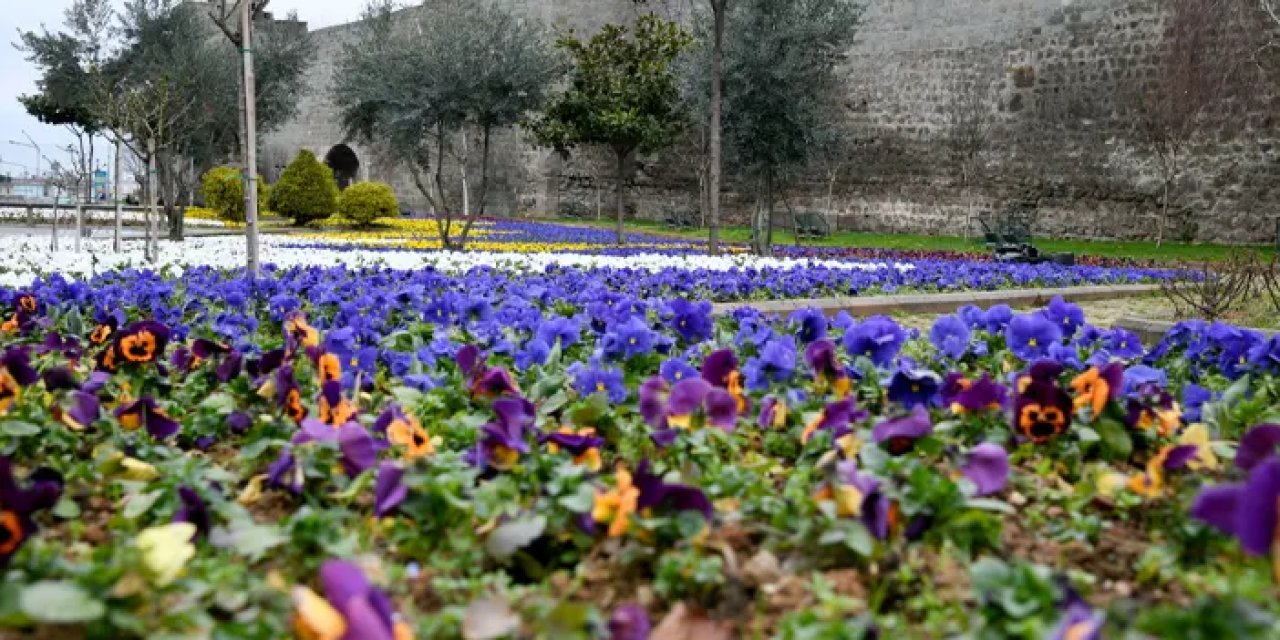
x,y
251,140
30,146
33,146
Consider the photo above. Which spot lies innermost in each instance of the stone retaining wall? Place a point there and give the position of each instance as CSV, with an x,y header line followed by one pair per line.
x,y
1048,73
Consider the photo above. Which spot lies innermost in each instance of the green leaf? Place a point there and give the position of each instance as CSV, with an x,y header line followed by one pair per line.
x,y
858,539
256,448
1087,434
75,324
588,414
555,403
141,503
579,502
18,429
249,539
66,509
406,396
1115,439
220,403
987,504
512,536
11,614
60,602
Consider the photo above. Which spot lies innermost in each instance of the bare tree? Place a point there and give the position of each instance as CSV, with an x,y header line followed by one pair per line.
x,y
1190,84
1272,9
969,120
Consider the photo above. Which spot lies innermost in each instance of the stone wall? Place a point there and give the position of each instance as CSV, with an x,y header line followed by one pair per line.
x,y
1049,74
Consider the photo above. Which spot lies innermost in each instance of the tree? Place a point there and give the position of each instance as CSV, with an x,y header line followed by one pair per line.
x,y
715,143
68,63
439,86
1190,83
781,90
306,191
969,122
623,96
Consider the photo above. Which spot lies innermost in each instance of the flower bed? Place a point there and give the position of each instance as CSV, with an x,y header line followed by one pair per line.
x,y
370,453
67,216
720,278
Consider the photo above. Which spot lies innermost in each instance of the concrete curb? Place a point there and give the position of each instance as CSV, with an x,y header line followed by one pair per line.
x,y
943,302
1152,331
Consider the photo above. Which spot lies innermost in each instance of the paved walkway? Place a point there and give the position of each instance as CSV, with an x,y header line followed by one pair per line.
x,y
943,302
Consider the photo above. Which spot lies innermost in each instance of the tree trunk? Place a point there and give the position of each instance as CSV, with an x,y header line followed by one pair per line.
x,y
719,8
621,195
191,184
484,184
88,191
119,168
768,213
444,219
172,212
53,237
466,186
250,144
79,223
152,213
757,227
1164,214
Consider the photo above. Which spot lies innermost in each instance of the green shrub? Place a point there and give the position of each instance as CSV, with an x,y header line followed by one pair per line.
x,y
306,191
364,202
224,193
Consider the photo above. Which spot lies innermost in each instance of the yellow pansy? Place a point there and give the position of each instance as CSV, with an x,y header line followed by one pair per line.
x,y
166,549
1198,435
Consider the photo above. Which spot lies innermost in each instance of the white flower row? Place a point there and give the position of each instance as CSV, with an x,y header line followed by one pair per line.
x,y
31,257
67,215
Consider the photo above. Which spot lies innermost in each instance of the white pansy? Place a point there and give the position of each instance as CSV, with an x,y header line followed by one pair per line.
x,y
67,216
31,257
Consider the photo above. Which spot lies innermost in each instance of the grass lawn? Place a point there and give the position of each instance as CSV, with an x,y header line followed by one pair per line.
x,y
1171,252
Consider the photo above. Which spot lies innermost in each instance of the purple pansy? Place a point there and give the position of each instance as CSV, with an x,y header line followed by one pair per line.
x,y
1247,511
1068,316
388,489
898,435
146,413
1257,445
629,622
810,324
914,387
950,336
17,505
1030,335
877,338
987,466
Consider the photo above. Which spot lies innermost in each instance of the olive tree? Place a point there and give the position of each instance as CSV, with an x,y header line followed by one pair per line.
x,y
431,87
781,90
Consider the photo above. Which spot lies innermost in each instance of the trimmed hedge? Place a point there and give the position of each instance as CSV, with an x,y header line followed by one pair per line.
x,y
224,192
306,191
364,202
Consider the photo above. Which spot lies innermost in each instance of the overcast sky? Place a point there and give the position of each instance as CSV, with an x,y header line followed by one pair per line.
x,y
17,76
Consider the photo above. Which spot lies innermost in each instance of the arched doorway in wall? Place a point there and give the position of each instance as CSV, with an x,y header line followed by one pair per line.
x,y
345,164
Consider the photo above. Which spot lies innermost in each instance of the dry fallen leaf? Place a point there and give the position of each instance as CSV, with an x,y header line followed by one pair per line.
x,y
685,623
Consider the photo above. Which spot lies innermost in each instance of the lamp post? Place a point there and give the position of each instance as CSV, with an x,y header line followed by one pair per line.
x,y
31,145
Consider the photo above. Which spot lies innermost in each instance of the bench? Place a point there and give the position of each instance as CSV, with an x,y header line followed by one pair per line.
x,y
811,224
681,219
